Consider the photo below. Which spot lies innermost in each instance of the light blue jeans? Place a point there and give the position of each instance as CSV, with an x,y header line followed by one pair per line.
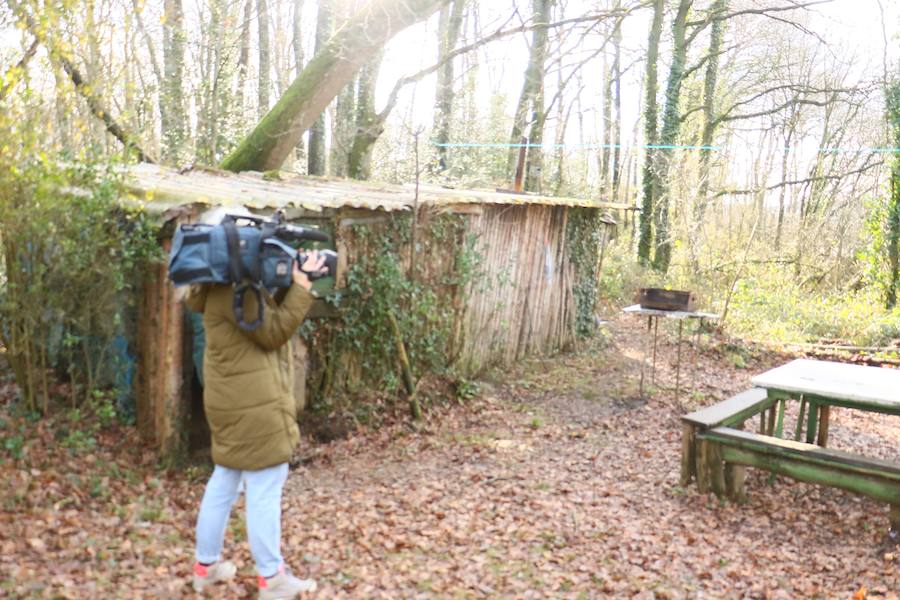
x,y
263,496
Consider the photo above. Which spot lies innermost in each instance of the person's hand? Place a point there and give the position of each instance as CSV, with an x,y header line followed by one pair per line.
x,y
313,264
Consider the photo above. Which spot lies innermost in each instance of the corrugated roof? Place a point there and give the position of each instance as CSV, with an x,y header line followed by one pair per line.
x,y
163,188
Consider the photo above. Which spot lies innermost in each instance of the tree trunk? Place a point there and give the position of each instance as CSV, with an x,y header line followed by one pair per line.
x,y
710,122
531,88
648,202
450,24
670,129
299,58
276,135
368,125
244,56
534,167
214,94
297,37
172,102
265,57
616,78
315,159
892,227
562,122
342,131
606,145
782,192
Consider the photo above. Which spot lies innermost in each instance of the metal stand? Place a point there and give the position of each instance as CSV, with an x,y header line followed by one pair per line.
x,y
653,330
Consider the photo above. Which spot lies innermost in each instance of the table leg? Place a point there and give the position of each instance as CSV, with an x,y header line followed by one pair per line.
x,y
779,426
824,418
644,359
696,353
893,536
678,360
688,454
811,422
800,417
655,337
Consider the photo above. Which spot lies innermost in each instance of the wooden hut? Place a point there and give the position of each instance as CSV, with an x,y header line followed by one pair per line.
x,y
529,308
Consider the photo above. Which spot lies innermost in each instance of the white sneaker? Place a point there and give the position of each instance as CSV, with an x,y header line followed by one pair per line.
x,y
283,586
208,575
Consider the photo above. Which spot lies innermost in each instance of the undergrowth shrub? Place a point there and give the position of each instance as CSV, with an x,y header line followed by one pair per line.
x,y
71,255
357,372
770,302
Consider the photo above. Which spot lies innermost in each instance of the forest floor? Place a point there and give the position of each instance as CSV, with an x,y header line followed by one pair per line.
x,y
557,481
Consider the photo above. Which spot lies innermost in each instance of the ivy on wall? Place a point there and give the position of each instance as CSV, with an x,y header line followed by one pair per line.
x,y
584,231
421,289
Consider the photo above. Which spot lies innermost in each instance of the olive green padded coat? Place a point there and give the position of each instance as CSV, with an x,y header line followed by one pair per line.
x,y
249,376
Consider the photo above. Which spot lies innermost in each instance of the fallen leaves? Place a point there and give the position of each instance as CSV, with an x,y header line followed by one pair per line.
x,y
563,484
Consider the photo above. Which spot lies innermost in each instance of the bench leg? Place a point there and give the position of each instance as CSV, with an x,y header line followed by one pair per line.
x,y
688,454
717,470
710,468
702,459
735,475
894,533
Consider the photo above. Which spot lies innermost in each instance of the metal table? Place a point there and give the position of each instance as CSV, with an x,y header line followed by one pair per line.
x,y
653,315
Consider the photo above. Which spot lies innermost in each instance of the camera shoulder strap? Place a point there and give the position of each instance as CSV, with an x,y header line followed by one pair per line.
x,y
239,291
232,239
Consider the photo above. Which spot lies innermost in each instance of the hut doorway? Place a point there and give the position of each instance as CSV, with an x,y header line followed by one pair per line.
x,y
199,439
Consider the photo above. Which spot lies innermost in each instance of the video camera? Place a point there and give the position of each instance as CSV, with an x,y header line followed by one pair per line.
x,y
254,256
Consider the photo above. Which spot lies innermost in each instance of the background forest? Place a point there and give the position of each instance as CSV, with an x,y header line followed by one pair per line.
x,y
758,137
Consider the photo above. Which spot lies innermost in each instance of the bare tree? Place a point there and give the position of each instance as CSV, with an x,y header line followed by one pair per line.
x,y
316,156
265,56
669,136
649,181
244,57
449,30
529,110
359,162
173,117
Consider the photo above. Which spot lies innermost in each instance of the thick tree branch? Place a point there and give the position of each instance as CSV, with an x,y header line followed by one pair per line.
x,y
753,11
11,77
699,64
497,35
796,98
278,132
151,50
771,111
806,181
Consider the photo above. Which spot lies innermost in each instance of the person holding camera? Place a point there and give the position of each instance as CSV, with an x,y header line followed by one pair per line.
x,y
249,404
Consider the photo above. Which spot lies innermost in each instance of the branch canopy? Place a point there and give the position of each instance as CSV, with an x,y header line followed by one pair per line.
x,y
277,134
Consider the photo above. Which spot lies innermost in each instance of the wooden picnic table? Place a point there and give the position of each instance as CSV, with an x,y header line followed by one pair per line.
x,y
716,447
820,384
873,389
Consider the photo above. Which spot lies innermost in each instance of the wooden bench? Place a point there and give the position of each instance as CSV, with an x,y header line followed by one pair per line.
x,y
723,453
733,411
